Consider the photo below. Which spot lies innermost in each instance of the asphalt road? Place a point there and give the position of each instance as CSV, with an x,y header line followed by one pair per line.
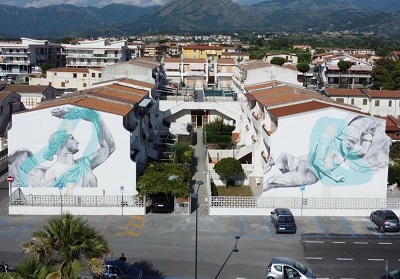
x,y
164,245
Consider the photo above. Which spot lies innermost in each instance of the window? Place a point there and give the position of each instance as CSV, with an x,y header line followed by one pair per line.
x,y
99,75
84,84
84,75
352,101
377,103
340,100
75,75
55,74
93,75
365,102
390,103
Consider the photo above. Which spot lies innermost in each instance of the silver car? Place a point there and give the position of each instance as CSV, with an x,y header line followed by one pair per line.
x,y
285,268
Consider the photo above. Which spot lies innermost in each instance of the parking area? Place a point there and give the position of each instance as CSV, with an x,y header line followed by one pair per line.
x,y
215,226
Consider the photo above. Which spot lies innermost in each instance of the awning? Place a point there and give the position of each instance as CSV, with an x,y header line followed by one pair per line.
x,y
245,150
178,128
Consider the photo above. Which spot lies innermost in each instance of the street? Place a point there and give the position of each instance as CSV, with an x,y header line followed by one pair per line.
x,y
163,245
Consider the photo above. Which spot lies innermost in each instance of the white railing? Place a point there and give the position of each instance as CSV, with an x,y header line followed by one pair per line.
x,y
304,203
75,201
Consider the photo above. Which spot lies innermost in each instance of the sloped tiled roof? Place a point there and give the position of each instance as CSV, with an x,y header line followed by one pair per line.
x,y
172,60
335,92
392,124
311,105
226,61
69,70
203,47
263,85
117,98
4,95
392,94
194,60
26,88
284,96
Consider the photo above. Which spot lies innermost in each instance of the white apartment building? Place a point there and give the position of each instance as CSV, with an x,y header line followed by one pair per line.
x,y
27,55
97,53
68,77
373,102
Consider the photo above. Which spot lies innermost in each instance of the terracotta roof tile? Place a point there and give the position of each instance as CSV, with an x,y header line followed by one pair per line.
x,y
264,85
26,88
384,93
172,60
194,60
301,107
203,47
69,70
138,83
226,61
333,92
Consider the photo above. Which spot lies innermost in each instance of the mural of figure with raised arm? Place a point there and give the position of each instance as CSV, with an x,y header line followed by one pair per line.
x,y
77,171
61,147
360,147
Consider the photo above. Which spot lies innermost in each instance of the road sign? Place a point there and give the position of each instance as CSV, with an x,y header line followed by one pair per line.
x,y
302,188
60,186
10,178
122,189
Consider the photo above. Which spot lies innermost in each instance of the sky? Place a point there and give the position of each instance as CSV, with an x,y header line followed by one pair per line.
x,y
98,3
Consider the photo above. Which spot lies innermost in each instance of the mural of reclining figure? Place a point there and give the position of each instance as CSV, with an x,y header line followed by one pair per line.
x,y
66,169
361,146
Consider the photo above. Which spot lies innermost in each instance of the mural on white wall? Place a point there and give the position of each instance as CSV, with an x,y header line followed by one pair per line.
x,y
28,168
341,152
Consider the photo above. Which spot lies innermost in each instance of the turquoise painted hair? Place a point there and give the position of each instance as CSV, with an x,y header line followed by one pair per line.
x,y
56,140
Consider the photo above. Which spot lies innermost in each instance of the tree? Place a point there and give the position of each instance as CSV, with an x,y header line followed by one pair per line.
x,y
303,68
343,66
182,153
33,268
218,133
157,179
45,67
228,168
68,243
278,61
384,74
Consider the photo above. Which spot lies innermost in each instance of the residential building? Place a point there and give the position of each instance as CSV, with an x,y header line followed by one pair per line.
x,y
134,50
27,56
292,58
68,77
96,53
374,102
202,52
394,55
155,50
358,76
238,56
32,95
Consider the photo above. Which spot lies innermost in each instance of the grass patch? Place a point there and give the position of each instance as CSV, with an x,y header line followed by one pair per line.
x,y
237,191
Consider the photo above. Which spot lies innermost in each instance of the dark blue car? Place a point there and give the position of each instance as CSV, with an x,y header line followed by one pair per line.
x,y
121,269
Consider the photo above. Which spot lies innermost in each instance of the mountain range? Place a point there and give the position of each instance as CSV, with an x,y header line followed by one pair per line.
x,y
203,16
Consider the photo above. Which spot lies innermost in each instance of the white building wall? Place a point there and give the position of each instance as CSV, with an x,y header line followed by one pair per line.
x,y
127,70
270,73
294,137
117,170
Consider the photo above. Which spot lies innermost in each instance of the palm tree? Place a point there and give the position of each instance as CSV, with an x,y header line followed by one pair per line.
x,y
69,244
33,268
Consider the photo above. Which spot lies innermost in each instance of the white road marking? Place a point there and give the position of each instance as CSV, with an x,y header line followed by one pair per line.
x,y
377,260
313,258
314,241
344,259
360,242
339,242
384,243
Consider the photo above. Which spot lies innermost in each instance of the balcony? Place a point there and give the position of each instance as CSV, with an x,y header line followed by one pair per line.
x,y
265,135
194,73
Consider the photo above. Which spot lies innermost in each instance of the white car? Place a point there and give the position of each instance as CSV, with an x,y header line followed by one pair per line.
x,y
285,268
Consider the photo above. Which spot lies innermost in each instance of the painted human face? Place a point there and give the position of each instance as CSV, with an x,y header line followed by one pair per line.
x,y
72,144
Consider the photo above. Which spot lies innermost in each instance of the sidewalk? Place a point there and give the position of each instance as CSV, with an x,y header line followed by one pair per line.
x,y
201,172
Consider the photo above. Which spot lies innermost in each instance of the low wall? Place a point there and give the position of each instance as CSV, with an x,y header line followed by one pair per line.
x,y
32,210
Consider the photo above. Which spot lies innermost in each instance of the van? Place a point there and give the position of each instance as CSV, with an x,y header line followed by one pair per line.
x,y
283,220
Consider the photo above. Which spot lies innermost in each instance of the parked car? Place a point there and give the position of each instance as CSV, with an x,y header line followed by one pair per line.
x,y
386,220
286,268
120,269
283,220
161,203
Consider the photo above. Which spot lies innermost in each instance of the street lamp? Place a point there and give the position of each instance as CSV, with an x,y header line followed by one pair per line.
x,y
198,183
